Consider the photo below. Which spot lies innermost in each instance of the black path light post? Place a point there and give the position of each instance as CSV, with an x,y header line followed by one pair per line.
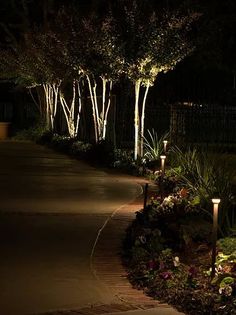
x,y
145,196
215,202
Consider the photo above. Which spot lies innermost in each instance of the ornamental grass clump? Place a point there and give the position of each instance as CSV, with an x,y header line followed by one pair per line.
x,y
153,145
205,178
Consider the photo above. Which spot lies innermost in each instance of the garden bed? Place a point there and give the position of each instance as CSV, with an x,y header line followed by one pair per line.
x,y
168,247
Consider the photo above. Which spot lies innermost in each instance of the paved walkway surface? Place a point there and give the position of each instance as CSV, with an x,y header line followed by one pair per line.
x,y
61,226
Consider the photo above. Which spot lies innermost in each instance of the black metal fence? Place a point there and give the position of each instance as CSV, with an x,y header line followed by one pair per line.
x,y
187,122
203,123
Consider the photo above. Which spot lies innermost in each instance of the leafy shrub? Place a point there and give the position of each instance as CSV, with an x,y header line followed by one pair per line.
x,y
227,245
61,143
80,149
38,133
123,159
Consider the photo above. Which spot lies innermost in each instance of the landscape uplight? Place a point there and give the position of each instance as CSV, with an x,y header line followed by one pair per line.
x,y
163,158
215,202
165,145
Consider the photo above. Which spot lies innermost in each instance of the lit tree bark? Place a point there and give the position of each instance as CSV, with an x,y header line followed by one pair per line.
x,y
106,112
51,96
97,117
143,119
79,109
47,96
100,116
136,119
93,109
70,110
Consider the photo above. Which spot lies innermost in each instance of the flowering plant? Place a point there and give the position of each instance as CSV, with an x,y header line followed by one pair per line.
x,y
175,203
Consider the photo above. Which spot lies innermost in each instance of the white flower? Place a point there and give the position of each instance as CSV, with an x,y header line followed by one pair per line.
x,y
142,239
176,261
226,290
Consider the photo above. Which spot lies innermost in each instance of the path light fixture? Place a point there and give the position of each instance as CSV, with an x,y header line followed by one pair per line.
x,y
163,158
165,145
145,193
215,202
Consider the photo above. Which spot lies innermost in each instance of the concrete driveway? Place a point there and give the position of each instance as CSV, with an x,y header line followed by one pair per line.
x,y
51,210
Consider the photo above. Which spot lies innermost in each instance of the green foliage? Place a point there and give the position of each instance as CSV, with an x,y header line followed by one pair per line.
x,y
80,149
102,48
205,179
227,245
61,143
36,133
123,160
157,42
153,145
157,262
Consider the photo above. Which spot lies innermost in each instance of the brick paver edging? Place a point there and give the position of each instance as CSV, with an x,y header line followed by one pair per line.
x,y
107,263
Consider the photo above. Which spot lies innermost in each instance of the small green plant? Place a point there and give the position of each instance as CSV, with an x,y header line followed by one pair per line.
x,y
38,133
153,145
227,245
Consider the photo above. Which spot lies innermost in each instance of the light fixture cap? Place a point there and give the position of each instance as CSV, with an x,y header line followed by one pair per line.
x,y
165,141
163,157
215,200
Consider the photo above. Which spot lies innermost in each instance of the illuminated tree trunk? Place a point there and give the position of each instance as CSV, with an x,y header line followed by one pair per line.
x,y
106,103
47,112
71,114
100,116
93,101
136,120
51,96
143,119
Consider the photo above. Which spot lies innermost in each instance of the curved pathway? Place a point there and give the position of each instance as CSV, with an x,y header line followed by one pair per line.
x,y
51,211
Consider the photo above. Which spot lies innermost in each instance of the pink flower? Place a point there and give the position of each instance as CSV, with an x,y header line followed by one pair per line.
x,y
165,275
152,264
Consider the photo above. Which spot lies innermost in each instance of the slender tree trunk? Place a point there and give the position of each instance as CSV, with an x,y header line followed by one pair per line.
x,y
143,119
136,120
93,108
51,105
51,97
55,88
79,109
104,85
70,111
98,119
47,114
106,112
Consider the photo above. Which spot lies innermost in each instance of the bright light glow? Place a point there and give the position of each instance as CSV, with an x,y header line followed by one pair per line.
x,y
215,201
163,157
165,145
